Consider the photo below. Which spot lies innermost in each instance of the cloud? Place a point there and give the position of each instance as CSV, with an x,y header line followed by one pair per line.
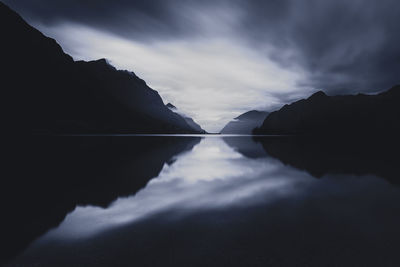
x,y
211,80
215,59
346,46
136,19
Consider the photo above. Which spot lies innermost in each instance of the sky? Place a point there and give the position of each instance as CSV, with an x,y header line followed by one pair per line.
x,y
215,59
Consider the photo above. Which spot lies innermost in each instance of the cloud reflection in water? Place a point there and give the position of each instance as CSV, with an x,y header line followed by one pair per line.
x,y
211,176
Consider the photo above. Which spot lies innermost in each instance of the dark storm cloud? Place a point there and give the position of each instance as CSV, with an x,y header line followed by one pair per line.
x,y
133,19
344,45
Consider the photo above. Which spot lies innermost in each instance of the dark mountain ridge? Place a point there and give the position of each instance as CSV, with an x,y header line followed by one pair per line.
x,y
194,125
337,115
245,123
47,91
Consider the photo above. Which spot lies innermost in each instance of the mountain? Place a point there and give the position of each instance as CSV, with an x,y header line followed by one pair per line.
x,y
46,90
196,127
245,123
337,115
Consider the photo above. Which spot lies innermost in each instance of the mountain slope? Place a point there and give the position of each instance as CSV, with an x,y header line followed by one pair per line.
x,y
349,114
47,91
245,123
196,127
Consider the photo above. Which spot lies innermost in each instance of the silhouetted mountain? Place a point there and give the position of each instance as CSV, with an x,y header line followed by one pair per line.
x,y
321,156
348,114
245,123
196,127
55,174
47,91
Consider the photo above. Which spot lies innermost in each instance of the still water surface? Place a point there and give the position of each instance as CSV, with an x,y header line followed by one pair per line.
x,y
225,201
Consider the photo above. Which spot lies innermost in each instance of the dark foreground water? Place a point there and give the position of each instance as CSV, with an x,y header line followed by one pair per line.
x,y
213,201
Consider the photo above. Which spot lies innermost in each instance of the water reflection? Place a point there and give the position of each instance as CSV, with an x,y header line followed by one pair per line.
x,y
226,202
210,176
246,145
320,156
52,175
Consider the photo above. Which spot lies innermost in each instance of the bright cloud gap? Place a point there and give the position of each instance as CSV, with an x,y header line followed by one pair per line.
x,y
210,79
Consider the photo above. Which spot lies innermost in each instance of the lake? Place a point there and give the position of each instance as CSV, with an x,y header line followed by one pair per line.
x,y
203,201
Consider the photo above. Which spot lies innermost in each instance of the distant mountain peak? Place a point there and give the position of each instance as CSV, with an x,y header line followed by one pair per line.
x,y
245,123
170,106
251,114
337,115
319,94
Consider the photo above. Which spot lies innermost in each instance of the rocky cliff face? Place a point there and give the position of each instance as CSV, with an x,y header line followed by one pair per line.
x,y
47,91
333,115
